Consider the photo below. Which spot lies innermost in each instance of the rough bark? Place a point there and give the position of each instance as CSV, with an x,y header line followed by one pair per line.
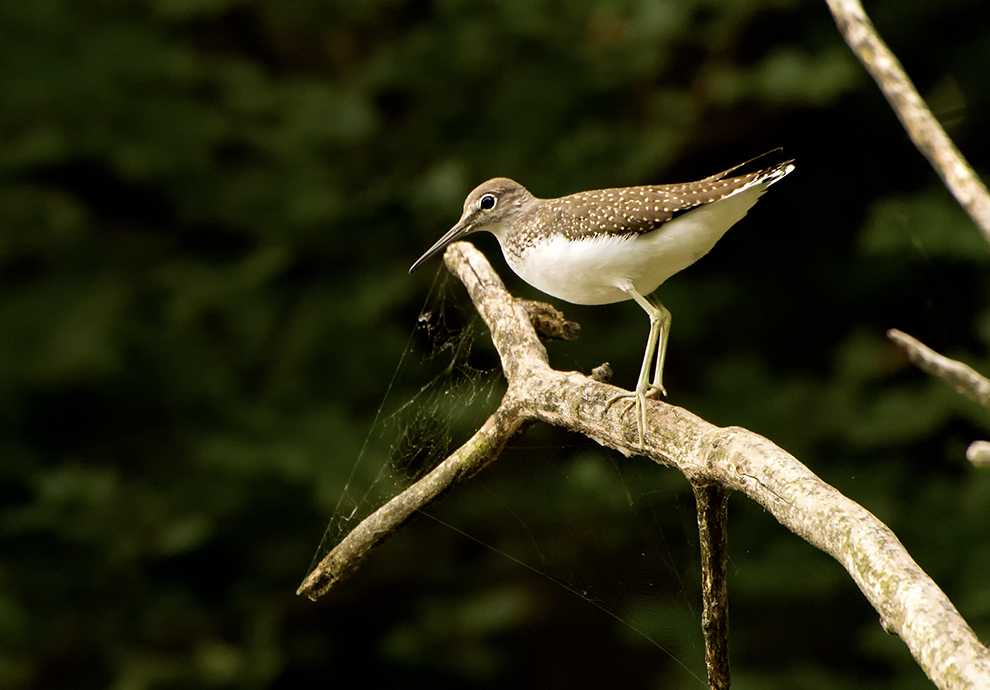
x,y
910,604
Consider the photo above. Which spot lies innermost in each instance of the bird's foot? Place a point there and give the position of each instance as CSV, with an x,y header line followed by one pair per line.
x,y
637,400
654,391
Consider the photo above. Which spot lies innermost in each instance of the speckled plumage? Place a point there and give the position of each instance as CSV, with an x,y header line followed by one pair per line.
x,y
588,248
611,245
622,210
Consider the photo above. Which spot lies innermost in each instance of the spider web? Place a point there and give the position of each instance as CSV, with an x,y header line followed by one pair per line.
x,y
409,438
631,552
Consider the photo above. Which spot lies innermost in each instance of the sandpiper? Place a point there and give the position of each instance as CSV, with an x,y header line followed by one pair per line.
x,y
611,245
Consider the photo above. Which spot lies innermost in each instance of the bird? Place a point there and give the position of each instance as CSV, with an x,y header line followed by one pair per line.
x,y
612,245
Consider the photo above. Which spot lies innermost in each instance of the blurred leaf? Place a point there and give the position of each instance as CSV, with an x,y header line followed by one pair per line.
x,y
929,223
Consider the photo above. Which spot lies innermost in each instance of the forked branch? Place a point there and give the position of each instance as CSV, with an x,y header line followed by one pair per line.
x,y
910,604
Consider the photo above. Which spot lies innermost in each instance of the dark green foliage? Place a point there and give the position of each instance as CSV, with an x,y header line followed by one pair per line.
x,y
207,211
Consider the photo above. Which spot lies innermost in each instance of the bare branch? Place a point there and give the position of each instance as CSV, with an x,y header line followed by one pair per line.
x,y
924,130
963,378
910,604
480,450
712,503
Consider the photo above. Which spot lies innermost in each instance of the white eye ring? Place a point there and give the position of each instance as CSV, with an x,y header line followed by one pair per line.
x,y
487,202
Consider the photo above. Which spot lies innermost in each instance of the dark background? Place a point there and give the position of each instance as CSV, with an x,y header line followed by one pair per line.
x,y
207,212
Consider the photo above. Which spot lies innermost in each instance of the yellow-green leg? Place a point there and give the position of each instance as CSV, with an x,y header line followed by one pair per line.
x,y
656,345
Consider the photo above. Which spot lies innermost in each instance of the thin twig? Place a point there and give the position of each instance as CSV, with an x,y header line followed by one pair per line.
x,y
480,451
712,528
963,378
924,130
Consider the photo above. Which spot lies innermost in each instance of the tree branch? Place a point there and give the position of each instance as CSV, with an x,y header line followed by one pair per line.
x,y
964,379
712,503
924,130
910,604
480,450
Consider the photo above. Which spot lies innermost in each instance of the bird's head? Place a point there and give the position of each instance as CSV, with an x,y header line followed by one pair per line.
x,y
485,208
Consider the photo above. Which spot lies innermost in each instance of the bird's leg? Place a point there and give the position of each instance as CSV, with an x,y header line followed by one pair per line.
x,y
656,387
659,327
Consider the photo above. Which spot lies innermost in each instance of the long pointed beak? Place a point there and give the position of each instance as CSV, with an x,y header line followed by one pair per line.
x,y
462,228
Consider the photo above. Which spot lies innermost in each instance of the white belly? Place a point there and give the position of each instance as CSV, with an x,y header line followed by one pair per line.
x,y
596,269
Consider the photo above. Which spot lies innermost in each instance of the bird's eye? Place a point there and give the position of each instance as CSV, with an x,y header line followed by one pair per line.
x,y
487,202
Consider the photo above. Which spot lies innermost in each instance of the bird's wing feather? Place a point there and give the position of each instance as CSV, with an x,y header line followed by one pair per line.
x,y
639,210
